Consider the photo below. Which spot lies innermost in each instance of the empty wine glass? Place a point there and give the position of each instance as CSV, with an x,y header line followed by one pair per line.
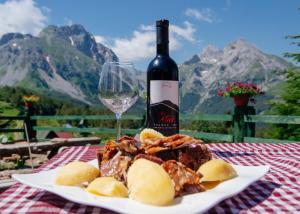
x,y
118,88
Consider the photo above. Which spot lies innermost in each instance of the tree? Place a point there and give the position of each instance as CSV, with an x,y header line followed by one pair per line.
x,y
289,99
294,56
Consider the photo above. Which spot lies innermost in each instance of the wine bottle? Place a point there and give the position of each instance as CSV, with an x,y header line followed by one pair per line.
x,y
163,86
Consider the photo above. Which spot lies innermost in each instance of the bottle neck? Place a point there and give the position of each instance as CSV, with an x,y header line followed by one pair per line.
x,y
162,40
162,49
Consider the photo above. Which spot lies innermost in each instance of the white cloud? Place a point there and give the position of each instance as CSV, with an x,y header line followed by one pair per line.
x,y
142,44
186,32
22,16
207,14
100,39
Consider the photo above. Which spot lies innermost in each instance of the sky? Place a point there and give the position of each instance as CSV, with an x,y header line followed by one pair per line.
x,y
128,27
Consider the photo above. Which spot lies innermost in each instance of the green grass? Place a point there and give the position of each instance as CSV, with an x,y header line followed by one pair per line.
x,y
7,110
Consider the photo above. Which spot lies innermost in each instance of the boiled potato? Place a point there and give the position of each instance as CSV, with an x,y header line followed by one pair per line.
x,y
76,173
149,183
148,136
216,170
107,186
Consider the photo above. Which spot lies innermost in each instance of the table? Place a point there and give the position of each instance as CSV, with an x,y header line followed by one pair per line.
x,y
278,191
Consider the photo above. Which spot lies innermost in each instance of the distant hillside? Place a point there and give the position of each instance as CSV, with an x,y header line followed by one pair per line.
x,y
204,73
60,59
65,62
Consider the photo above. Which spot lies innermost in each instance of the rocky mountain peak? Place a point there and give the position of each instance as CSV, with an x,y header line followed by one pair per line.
x,y
210,49
74,29
12,36
78,37
211,54
238,61
193,60
240,42
240,45
63,59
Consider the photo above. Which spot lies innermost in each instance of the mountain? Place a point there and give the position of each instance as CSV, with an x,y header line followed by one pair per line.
x,y
204,73
65,60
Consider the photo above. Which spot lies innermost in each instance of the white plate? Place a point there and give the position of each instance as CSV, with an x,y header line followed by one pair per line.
x,y
194,203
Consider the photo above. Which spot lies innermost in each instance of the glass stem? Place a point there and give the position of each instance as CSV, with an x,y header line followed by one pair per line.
x,y
118,116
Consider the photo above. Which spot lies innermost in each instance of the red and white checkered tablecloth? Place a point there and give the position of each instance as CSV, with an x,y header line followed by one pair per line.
x,y
276,192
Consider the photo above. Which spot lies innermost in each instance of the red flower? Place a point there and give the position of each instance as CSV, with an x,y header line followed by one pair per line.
x,y
237,88
220,93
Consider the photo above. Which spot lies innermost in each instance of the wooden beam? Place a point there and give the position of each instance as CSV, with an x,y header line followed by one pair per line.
x,y
208,136
11,130
88,130
85,117
12,117
207,117
272,119
22,149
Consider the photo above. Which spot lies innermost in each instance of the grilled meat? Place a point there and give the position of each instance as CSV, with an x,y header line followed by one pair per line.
x,y
180,156
186,180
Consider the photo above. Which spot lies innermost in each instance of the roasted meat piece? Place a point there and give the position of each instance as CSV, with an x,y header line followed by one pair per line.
x,y
194,155
185,179
185,149
128,146
150,158
115,158
180,155
116,167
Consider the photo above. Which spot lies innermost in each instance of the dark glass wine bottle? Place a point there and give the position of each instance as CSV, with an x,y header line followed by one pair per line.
x,y
163,86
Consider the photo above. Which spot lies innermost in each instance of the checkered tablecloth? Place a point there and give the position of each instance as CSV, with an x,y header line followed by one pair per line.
x,y
276,192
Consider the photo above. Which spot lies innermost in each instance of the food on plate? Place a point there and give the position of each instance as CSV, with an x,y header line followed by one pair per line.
x,y
186,180
153,169
149,183
156,169
107,186
179,155
216,170
182,148
76,173
185,149
149,136
210,184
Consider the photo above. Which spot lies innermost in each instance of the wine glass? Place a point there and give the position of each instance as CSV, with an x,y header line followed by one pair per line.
x,y
118,88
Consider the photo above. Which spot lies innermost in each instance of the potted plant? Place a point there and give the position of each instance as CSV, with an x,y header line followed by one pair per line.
x,y
241,92
29,100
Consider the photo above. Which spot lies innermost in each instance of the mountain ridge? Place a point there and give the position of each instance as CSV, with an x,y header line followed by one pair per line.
x,y
58,59
68,60
241,61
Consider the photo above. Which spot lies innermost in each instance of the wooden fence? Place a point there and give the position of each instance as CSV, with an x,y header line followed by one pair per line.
x,y
243,125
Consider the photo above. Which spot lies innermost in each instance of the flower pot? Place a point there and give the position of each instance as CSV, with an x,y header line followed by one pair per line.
x,y
241,100
28,104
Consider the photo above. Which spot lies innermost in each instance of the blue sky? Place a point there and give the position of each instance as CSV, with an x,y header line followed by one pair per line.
x,y
127,26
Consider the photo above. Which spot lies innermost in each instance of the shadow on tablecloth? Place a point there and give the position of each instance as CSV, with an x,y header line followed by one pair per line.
x,y
56,204
255,194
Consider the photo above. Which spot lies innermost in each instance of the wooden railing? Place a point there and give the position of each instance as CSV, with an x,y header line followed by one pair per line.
x,y
243,125
98,130
12,118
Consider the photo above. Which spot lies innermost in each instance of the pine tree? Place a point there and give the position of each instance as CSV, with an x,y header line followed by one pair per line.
x,y
289,99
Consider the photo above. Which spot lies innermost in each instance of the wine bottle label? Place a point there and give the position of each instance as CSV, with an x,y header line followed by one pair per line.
x,y
164,106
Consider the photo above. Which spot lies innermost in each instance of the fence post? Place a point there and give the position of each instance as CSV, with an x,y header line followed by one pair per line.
x,y
30,123
144,121
240,128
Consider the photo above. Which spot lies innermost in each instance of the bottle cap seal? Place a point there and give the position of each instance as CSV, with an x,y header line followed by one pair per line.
x,y
162,23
